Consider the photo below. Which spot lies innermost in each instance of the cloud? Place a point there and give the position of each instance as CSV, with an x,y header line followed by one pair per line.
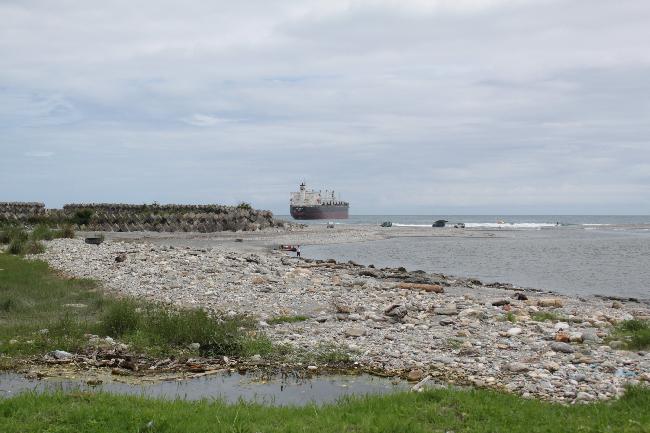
x,y
401,105
39,154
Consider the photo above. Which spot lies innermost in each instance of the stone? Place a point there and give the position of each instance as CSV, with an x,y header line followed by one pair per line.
x,y
415,375
120,258
447,310
470,313
551,366
561,326
446,322
517,367
550,302
584,396
576,337
256,359
61,354
500,302
561,347
617,304
355,331
514,331
616,344
194,346
435,288
562,337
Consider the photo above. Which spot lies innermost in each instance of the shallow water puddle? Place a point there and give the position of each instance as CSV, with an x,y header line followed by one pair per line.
x,y
228,387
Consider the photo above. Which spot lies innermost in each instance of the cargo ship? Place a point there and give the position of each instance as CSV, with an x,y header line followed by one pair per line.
x,y
314,205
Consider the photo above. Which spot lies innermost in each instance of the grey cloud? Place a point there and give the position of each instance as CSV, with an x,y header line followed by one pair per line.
x,y
416,106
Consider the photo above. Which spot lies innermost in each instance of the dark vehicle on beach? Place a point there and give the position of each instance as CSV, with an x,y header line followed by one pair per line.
x,y
439,223
387,224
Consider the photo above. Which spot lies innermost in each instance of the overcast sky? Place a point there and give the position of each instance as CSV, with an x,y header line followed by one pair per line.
x,y
427,106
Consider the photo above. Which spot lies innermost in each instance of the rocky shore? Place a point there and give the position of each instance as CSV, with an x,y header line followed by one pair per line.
x,y
392,321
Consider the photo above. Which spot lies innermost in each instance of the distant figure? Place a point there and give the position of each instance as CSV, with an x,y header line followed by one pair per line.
x,y
298,251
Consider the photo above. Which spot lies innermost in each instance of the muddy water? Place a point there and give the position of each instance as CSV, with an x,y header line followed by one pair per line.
x,y
227,387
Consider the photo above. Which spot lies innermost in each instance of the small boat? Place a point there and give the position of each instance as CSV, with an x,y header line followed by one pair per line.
x,y
288,247
439,223
386,224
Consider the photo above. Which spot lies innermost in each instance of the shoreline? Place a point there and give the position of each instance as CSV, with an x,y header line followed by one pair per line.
x,y
390,320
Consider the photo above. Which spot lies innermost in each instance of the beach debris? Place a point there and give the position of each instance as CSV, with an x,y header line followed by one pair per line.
x,y
447,310
61,355
396,311
435,288
419,387
120,258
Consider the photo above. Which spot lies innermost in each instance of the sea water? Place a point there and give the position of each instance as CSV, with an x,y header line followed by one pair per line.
x,y
582,255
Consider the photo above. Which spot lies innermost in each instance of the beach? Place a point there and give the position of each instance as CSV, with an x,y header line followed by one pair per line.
x,y
392,321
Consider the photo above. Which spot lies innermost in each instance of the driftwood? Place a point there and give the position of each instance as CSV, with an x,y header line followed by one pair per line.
x,y
435,288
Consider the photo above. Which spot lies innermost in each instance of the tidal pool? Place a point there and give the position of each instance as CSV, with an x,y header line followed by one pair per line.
x,y
228,387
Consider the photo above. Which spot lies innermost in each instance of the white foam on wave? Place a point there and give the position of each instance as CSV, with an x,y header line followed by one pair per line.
x,y
509,225
487,225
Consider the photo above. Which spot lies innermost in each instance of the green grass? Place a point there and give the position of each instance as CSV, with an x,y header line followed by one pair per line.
x,y
287,319
634,333
441,411
511,317
41,311
543,316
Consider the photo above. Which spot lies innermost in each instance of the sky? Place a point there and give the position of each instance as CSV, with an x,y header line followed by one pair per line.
x,y
410,106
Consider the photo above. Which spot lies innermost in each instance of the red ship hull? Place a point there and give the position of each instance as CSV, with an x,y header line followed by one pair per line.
x,y
323,212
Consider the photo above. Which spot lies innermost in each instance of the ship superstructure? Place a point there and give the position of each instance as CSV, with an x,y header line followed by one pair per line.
x,y
310,205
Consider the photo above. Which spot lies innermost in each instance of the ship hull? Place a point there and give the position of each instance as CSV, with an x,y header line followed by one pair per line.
x,y
324,212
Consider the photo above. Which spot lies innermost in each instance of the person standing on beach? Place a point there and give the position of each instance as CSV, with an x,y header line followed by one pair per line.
x,y
298,251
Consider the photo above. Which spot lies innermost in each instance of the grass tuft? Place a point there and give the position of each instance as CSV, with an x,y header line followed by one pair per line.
x,y
543,316
33,298
42,233
287,319
634,333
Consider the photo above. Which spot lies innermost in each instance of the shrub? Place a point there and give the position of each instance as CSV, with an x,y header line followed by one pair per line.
x,y
11,234
244,205
34,247
635,333
120,318
16,246
82,217
42,233
66,232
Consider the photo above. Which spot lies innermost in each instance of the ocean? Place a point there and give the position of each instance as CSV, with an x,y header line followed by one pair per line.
x,y
569,254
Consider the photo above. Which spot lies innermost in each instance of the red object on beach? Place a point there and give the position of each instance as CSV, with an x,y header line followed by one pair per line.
x,y
288,248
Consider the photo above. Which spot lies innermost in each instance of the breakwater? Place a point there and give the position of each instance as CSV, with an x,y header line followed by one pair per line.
x,y
118,217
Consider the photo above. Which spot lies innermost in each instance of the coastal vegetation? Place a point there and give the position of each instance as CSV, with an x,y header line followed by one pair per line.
x,y
635,334
440,410
287,319
21,242
41,311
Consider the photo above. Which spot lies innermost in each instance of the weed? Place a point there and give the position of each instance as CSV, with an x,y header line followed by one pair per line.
x,y
33,247
287,319
67,231
16,246
82,217
42,233
635,334
543,316
510,317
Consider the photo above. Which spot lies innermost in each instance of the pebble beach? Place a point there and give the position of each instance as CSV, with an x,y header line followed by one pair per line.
x,y
393,321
